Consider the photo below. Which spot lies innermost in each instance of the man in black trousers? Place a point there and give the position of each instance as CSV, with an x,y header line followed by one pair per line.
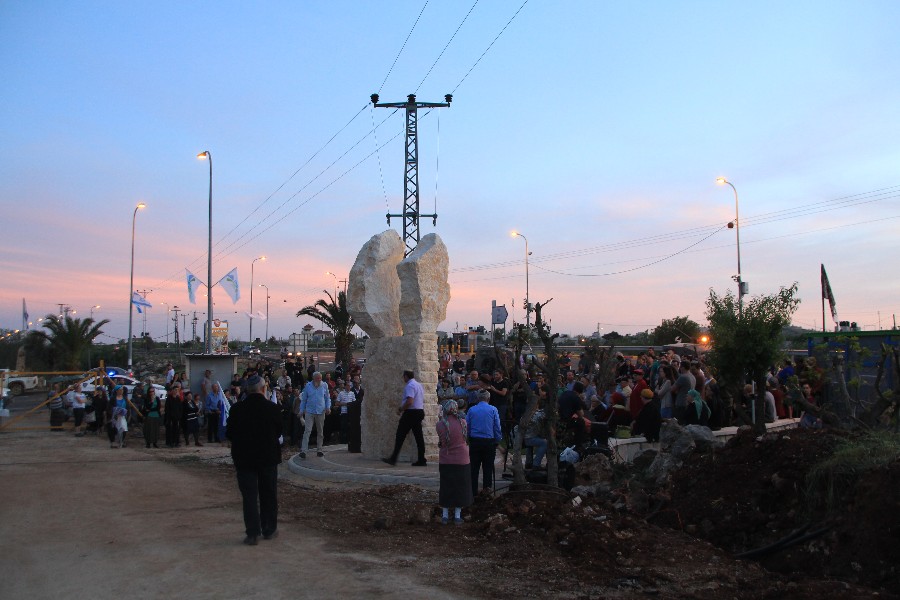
x,y
254,428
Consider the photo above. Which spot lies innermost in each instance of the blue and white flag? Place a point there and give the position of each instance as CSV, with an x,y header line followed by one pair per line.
x,y
140,302
193,283
229,283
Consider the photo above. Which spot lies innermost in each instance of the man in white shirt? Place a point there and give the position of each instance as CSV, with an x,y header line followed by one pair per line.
x,y
412,413
75,400
170,374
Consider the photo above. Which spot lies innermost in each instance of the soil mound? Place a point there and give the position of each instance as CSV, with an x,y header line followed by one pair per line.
x,y
757,491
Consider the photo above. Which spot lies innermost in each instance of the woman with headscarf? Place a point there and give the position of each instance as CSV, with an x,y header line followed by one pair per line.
x,y
697,411
453,463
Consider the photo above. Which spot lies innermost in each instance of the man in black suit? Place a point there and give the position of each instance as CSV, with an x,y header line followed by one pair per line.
x,y
254,428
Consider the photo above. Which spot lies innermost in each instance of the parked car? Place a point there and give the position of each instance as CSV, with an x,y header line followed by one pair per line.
x,y
124,380
19,385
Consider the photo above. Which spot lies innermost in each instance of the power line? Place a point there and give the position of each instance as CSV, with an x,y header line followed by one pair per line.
x,y
491,45
447,45
225,252
403,46
634,268
763,218
686,251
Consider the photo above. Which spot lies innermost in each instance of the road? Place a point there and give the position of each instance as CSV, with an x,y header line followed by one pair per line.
x,y
81,520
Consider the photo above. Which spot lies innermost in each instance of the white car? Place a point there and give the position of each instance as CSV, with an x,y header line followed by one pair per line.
x,y
124,380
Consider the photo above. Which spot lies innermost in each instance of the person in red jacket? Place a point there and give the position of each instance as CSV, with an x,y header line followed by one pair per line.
x,y
635,402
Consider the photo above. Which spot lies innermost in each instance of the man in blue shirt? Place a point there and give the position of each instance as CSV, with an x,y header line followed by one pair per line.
x,y
484,435
315,403
412,413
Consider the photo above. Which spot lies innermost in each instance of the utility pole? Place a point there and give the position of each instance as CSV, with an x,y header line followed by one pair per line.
x,y
194,331
344,281
410,212
175,309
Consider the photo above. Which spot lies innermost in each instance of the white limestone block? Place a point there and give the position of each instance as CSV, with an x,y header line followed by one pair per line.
x,y
373,292
424,290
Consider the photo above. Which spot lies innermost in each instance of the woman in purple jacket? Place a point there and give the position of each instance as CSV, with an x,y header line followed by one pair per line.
x,y
453,459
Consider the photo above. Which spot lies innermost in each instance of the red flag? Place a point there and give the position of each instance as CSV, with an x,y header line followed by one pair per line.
x,y
828,295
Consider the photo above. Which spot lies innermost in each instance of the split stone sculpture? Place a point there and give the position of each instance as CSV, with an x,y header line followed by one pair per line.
x,y
398,302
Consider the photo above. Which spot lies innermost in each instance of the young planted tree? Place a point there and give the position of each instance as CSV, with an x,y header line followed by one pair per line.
x,y
550,368
746,342
68,339
333,314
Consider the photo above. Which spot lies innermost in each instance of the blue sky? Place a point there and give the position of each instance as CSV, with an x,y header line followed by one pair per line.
x,y
592,127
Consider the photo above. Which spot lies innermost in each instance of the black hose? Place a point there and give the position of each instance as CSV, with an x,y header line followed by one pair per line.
x,y
795,537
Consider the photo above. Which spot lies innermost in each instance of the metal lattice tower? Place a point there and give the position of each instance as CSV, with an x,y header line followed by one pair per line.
x,y
410,212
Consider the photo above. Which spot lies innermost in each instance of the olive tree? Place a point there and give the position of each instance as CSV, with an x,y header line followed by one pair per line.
x,y
747,340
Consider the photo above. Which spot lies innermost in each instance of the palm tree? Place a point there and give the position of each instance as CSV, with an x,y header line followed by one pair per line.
x,y
334,315
69,338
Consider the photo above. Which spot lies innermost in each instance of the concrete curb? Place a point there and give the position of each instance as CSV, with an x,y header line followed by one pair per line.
x,y
303,468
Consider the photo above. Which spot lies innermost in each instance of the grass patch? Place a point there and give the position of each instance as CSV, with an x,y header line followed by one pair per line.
x,y
827,482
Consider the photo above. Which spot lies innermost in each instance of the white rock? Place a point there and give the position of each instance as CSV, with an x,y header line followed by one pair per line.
x,y
424,291
373,292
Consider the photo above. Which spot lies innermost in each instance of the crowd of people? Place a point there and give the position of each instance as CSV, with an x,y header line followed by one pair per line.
x,y
185,414
631,398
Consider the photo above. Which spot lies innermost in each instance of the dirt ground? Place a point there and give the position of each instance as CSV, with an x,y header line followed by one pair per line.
x,y
83,520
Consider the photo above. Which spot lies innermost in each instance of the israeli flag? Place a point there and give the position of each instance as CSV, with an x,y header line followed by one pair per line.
x,y
140,302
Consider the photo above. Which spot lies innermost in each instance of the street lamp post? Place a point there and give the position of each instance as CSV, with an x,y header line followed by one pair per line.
x,y
267,310
335,283
737,230
252,264
91,344
205,155
131,283
527,300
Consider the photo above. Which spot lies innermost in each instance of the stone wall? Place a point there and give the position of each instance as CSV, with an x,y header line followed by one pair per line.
x,y
399,303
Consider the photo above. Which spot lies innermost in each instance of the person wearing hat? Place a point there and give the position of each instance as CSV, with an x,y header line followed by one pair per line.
x,y
648,421
254,428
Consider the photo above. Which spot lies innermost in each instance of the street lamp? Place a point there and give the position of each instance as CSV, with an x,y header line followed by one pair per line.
x,y
742,287
131,282
205,155
527,301
96,306
267,310
335,283
252,264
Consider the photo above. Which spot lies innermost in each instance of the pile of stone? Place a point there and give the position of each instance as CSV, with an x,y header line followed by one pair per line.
x,y
676,443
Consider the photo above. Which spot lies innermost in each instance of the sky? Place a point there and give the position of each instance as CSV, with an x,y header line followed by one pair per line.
x,y
597,129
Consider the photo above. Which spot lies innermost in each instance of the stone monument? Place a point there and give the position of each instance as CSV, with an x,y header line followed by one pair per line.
x,y
399,302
